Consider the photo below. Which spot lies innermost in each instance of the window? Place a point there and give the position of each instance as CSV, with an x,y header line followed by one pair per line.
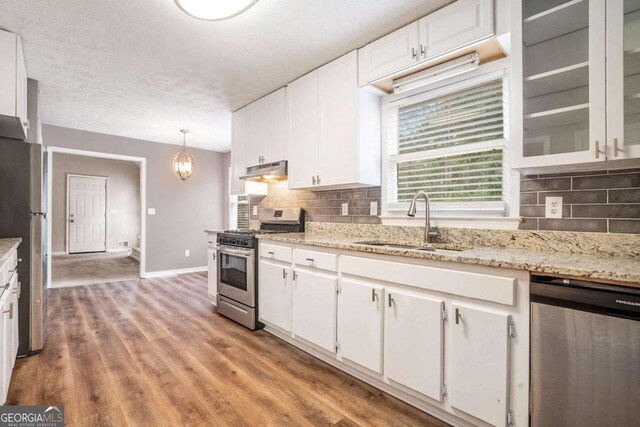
x,y
239,211
450,143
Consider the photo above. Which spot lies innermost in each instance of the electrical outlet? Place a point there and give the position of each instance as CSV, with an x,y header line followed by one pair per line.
x,y
255,210
151,211
553,207
345,209
187,252
373,208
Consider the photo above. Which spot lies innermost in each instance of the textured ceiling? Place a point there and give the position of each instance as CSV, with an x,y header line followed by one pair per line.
x,y
144,69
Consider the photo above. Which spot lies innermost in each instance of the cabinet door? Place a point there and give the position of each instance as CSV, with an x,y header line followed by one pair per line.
x,y
275,134
563,48
212,273
314,308
6,343
413,337
21,85
479,363
623,79
338,121
360,323
274,295
238,150
5,374
457,25
389,54
256,132
8,88
302,130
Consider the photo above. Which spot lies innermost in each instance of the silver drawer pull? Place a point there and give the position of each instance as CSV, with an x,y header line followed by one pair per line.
x,y
391,301
458,316
310,259
373,295
271,253
10,311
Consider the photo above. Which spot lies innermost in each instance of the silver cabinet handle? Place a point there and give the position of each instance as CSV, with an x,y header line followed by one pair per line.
x,y
615,147
213,256
390,299
414,53
310,259
423,51
295,276
19,260
373,295
271,253
458,316
597,146
313,180
318,179
10,311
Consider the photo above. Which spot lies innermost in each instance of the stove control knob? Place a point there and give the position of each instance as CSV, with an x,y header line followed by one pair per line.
x,y
244,242
234,241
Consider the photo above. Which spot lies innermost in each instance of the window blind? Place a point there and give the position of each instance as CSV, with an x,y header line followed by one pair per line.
x,y
242,212
450,146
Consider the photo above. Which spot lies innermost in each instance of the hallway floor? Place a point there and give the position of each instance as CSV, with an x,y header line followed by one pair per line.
x,y
89,269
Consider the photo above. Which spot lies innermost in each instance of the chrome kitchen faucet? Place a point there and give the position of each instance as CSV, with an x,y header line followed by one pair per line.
x,y
428,234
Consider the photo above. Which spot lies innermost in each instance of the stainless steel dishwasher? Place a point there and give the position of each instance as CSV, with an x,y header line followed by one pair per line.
x,y
585,353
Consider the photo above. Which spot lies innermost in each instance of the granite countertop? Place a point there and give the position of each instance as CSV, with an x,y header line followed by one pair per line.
x,y
613,269
7,246
213,231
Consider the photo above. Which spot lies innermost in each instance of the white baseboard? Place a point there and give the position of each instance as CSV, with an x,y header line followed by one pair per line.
x,y
119,250
58,253
164,273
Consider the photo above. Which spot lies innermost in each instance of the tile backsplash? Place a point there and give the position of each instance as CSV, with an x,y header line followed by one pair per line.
x,y
322,206
601,201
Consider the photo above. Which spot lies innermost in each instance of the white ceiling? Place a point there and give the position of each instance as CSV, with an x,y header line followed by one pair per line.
x,y
144,69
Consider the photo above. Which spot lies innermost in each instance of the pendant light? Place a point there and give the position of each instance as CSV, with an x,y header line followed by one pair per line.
x,y
183,162
214,10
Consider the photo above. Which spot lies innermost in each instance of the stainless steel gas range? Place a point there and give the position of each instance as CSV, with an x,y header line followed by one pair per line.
x,y
238,264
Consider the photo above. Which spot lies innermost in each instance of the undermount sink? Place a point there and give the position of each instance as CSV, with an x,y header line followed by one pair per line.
x,y
428,247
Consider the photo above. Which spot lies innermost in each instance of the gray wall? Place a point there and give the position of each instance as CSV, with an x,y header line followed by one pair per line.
x,y
183,208
123,193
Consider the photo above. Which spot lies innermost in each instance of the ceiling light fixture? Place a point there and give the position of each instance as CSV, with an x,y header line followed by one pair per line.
x,y
183,162
214,10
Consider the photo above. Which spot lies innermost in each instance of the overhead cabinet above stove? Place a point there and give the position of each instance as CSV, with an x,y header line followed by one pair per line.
x,y
13,87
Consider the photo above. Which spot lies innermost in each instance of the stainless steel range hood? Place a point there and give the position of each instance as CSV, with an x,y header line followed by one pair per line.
x,y
268,172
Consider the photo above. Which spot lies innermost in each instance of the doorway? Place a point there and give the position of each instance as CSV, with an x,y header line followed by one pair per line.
x,y
86,213
96,212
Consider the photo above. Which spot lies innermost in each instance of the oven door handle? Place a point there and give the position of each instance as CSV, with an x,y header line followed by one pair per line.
x,y
239,252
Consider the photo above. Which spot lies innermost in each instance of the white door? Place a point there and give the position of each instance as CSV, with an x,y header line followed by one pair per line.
x,y
455,26
275,127
274,295
479,363
302,130
256,136
413,337
389,54
360,323
314,308
338,121
238,150
623,79
87,197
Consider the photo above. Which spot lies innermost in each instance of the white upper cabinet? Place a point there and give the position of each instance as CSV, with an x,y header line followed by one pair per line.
x,y
479,363
453,27
302,130
623,79
266,141
457,25
13,87
389,54
238,150
576,91
333,129
360,308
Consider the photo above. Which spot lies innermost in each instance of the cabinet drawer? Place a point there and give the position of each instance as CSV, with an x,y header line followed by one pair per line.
x,y
469,284
321,260
275,252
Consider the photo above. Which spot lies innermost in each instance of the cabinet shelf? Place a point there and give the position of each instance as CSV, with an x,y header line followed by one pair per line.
x,y
554,22
564,78
557,117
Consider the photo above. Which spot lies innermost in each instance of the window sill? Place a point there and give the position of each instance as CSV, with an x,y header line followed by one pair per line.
x,y
493,223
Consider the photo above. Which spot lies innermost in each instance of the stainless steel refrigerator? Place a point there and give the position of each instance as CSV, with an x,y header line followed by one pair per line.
x,y
23,201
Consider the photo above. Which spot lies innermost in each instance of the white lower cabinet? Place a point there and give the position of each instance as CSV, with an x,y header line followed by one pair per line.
x,y
314,307
479,363
5,351
360,309
274,296
413,341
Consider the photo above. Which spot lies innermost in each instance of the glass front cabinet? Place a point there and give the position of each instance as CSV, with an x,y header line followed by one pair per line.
x,y
577,65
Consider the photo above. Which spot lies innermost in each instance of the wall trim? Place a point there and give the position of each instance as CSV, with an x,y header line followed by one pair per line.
x,y
166,273
114,250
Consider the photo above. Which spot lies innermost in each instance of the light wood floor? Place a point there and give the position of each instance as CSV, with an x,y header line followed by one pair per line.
x,y
151,352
